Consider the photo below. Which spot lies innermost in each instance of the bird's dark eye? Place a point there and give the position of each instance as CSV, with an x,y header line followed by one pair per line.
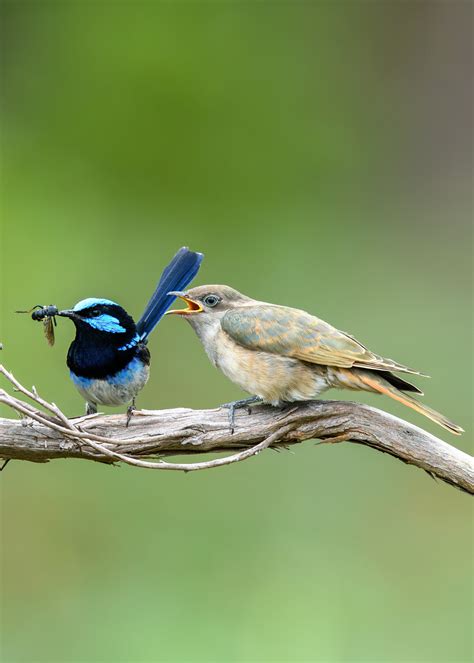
x,y
94,313
211,300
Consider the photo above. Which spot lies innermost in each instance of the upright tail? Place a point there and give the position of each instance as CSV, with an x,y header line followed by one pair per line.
x,y
382,386
176,276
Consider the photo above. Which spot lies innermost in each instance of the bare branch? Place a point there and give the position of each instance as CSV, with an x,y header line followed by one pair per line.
x,y
44,433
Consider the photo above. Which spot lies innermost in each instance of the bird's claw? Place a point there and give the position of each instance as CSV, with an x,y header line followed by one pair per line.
x,y
91,408
236,405
231,416
130,412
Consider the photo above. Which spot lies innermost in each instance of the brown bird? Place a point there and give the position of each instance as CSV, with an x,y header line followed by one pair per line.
x,y
281,354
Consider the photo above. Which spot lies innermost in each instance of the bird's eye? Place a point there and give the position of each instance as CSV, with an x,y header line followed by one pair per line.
x,y
95,312
211,300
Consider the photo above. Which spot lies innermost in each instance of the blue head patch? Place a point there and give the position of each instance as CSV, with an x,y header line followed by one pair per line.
x,y
90,302
105,323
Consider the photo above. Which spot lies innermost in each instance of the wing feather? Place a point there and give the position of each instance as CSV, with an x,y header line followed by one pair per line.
x,y
295,333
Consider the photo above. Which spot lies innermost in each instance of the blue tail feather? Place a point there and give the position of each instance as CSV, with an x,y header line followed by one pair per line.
x,y
176,276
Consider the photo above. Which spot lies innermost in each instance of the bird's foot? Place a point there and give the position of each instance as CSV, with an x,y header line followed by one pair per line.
x,y
5,463
237,405
130,412
91,408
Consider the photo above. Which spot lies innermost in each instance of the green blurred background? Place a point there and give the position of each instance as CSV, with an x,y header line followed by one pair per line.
x,y
319,154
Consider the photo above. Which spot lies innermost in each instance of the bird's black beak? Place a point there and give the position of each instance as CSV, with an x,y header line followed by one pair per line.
x,y
68,313
192,305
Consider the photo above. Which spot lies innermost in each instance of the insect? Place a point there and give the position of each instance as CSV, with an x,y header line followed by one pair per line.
x,y
46,315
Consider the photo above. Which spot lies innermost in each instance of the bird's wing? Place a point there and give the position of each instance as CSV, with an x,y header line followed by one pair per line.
x,y
294,333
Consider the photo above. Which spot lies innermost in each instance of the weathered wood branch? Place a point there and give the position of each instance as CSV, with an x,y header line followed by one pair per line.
x,y
180,431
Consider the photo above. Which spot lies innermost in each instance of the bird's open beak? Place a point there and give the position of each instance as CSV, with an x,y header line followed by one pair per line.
x,y
193,306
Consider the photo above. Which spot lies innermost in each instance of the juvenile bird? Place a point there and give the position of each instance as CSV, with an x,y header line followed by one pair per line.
x,y
281,354
109,360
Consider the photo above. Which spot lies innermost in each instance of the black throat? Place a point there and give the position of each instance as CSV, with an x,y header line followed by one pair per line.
x,y
98,358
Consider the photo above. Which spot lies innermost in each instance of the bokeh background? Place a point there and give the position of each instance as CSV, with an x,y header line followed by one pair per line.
x,y
320,155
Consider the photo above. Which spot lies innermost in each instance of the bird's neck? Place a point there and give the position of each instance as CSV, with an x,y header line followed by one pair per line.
x,y
207,331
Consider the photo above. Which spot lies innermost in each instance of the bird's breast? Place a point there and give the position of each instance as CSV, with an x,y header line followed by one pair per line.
x,y
273,377
115,389
96,358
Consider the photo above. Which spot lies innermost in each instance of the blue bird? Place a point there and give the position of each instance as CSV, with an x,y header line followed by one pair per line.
x,y
109,361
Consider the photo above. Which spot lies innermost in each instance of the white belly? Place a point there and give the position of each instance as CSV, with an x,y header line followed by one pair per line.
x,y
117,390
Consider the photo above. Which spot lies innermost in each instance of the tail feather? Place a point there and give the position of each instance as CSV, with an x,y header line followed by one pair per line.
x,y
176,276
382,386
398,382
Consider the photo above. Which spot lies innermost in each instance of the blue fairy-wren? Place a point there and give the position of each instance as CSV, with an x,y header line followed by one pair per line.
x,y
109,360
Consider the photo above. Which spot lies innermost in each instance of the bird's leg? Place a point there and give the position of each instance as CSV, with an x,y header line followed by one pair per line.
x,y
5,464
236,405
130,410
91,408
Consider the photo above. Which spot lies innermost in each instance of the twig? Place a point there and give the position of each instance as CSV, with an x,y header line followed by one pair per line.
x,y
45,433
